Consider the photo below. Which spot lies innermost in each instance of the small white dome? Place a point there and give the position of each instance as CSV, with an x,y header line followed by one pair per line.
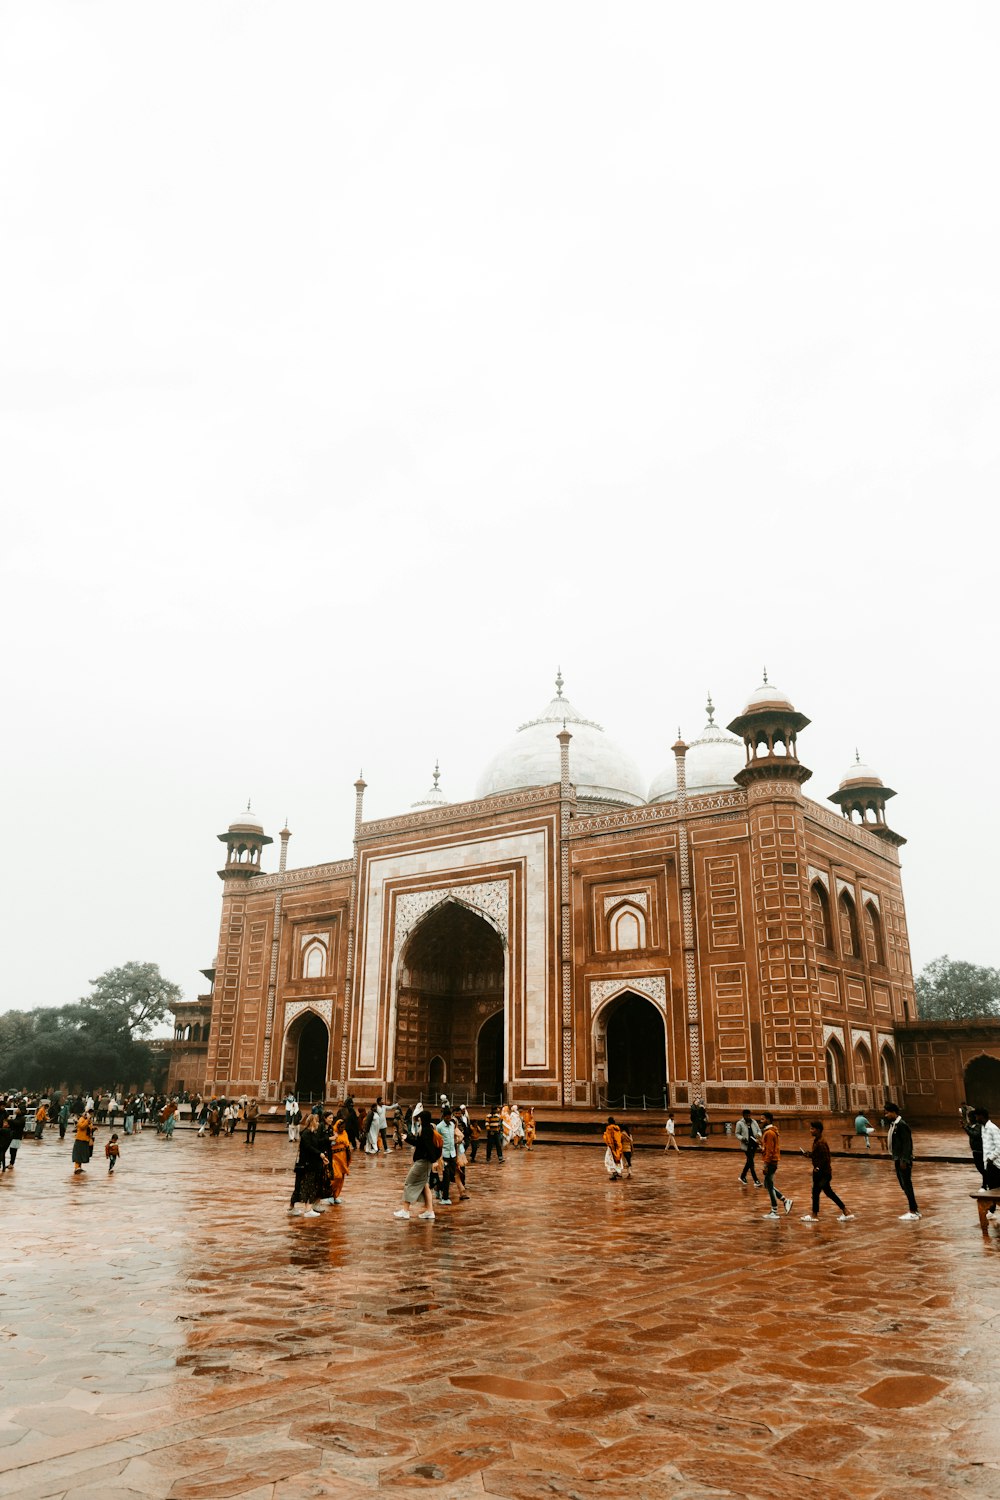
x,y
858,774
599,769
710,764
434,797
768,696
246,822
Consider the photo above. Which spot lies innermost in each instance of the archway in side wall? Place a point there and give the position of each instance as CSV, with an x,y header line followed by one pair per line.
x,y
982,1085
489,1060
451,974
307,1049
836,1075
635,1048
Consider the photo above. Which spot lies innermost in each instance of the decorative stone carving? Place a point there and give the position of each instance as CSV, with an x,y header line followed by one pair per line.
x,y
829,1031
491,897
651,986
637,898
872,897
322,1008
819,875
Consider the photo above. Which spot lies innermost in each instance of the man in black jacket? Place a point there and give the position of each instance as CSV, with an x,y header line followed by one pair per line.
x,y
900,1143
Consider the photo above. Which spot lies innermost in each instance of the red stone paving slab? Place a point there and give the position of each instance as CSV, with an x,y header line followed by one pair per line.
x,y
177,1336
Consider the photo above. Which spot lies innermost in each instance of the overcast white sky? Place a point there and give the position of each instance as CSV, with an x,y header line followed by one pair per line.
x,y
362,363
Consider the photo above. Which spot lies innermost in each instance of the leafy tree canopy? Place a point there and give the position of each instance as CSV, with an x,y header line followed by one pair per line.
x,y
951,990
96,1042
135,997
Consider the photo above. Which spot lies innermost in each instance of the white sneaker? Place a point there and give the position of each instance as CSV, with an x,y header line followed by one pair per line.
x,y
340,1200
328,1200
310,1213
909,1216
845,1218
808,1219
771,1215
428,1215
788,1205
400,1214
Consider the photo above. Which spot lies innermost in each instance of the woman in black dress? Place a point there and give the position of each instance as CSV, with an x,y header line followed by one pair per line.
x,y
309,1170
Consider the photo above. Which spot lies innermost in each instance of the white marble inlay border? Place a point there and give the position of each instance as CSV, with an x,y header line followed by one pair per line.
x,y
637,898
837,1031
650,986
322,1008
491,897
527,948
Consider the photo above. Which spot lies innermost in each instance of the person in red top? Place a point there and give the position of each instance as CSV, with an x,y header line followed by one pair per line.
x,y
822,1175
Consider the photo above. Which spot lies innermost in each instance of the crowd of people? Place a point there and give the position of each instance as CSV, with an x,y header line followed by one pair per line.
x,y
443,1147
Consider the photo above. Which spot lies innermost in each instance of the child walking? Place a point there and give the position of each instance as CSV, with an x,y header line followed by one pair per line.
x,y
112,1152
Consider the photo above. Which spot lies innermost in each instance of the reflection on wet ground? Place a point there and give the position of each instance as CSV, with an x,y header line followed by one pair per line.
x,y
171,1332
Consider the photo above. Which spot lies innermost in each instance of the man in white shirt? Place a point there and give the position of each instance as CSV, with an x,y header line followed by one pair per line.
x,y
991,1150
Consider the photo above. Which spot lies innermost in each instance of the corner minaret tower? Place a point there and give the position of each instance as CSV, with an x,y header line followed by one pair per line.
x,y
787,973
863,792
245,841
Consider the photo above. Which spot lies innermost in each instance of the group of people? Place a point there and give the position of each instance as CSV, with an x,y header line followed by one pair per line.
x,y
753,1138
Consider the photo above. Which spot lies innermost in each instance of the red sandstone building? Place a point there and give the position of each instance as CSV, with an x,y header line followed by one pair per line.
x,y
571,937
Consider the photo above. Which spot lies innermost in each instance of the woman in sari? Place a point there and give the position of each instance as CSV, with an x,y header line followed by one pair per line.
x,y
613,1153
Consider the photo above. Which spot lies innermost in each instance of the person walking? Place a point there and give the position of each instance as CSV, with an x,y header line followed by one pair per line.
x,y
112,1152
63,1118
991,1150
449,1155
5,1137
671,1130
770,1146
973,1127
426,1150
494,1135
822,1165
17,1125
83,1146
41,1119
253,1110
340,1158
612,1139
900,1144
529,1128
748,1135
699,1121
308,1189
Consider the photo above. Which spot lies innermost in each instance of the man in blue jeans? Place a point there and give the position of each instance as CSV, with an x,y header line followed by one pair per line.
x,y
900,1144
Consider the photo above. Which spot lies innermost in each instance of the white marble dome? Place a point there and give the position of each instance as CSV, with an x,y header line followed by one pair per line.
x,y
858,774
599,769
767,696
246,822
710,764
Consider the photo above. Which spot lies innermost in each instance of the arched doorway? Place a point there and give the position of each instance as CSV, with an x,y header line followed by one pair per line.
x,y
635,1044
982,1084
451,976
312,1047
887,1061
489,1060
836,1074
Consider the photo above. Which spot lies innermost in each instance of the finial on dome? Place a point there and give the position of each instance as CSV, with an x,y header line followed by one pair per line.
x,y
248,804
437,773
559,682
857,756
765,677
710,707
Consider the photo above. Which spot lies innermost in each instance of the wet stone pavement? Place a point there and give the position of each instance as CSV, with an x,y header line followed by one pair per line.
x,y
171,1332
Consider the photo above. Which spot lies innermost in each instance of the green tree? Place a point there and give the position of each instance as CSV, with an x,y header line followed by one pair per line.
x,y
135,997
952,990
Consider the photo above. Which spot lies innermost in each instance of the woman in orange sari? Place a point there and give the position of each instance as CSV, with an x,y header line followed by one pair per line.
x,y
529,1127
613,1155
340,1158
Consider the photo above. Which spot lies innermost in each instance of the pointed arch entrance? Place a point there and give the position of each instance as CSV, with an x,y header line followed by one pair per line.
x,y
836,1075
632,1036
306,1059
451,982
982,1084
